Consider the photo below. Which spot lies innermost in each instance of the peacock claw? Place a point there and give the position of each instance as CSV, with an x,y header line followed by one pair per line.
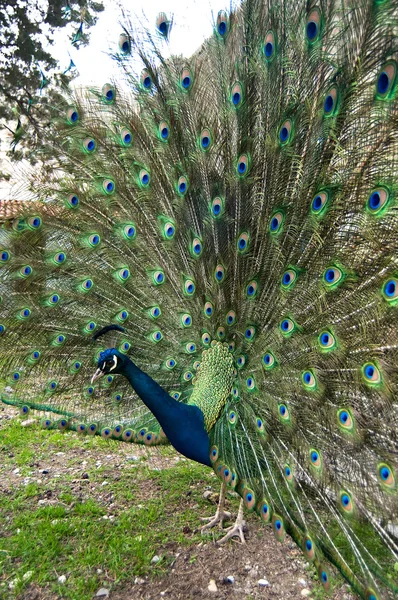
x,y
234,531
219,518
237,529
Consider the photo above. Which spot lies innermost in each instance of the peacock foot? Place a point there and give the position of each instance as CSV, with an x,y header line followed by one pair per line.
x,y
237,529
221,514
219,518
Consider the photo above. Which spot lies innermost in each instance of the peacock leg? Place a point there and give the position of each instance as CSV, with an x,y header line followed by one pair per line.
x,y
237,528
221,515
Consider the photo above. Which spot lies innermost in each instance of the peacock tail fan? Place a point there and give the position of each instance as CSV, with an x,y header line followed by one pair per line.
x,y
245,196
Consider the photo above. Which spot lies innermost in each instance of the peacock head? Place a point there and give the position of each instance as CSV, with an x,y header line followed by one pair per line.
x,y
110,361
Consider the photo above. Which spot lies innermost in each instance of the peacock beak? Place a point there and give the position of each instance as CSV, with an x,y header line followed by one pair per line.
x,y
97,375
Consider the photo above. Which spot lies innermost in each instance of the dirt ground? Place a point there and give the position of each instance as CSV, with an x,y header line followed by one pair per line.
x,y
231,571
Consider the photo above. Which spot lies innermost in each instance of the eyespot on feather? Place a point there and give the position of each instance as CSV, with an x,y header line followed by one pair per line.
x,y
378,201
182,186
243,165
89,145
72,115
205,140
124,44
219,273
163,24
126,137
186,79
189,287
285,134
144,178
390,291
278,528
269,46
330,104
333,277
217,207
236,95
276,223
320,203
386,81
222,24
371,374
108,93
230,317
164,131
313,26
146,80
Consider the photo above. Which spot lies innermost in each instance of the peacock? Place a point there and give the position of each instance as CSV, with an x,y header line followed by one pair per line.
x,y
222,231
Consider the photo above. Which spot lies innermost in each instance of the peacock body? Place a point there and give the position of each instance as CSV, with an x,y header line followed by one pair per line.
x,y
234,217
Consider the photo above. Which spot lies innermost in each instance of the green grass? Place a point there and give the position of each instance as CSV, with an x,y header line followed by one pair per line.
x,y
69,536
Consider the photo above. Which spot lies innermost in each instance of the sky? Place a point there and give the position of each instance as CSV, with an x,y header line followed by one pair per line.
x,y
193,22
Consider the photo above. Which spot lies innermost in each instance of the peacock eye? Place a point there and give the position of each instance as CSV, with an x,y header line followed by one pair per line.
x,y
289,278
163,24
170,363
276,223
390,290
190,348
378,201
144,178
243,165
230,317
217,207
72,115
286,133
327,341
386,81
182,186
250,383
371,374
34,222
126,137
268,360
164,131
269,46
330,102
208,309
196,247
205,140
94,240
241,361
146,80
206,339
308,380
124,43
250,333
319,203
313,27
237,95
220,333
72,201
189,287
158,277
222,26
243,242
89,145
186,79
108,93
333,276
219,273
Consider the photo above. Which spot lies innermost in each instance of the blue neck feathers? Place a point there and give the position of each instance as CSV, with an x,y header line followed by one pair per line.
x,y
183,424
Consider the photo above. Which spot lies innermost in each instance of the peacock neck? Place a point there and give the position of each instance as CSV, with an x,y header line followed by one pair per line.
x,y
183,424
